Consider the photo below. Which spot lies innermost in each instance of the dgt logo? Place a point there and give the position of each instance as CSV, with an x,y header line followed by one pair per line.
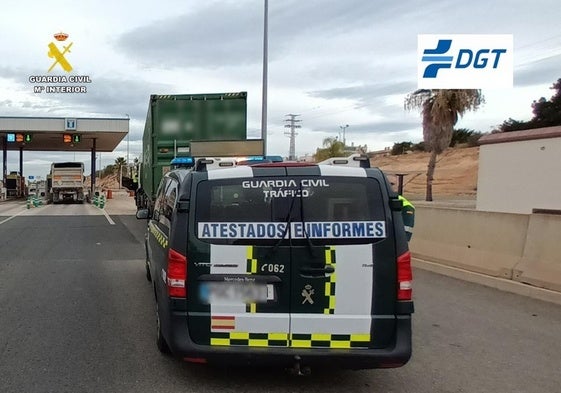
x,y
464,61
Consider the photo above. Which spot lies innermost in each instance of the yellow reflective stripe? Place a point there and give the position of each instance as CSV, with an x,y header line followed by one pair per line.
x,y
239,335
331,279
249,339
340,344
405,202
161,239
301,343
278,336
317,340
321,337
258,343
360,337
219,341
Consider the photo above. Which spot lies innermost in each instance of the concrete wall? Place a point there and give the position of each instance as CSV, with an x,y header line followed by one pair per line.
x,y
524,248
482,242
541,260
516,177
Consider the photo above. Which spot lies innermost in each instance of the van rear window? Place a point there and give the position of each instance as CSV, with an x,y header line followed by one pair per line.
x,y
327,210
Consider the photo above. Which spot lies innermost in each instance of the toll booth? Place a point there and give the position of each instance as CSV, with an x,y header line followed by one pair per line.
x,y
91,135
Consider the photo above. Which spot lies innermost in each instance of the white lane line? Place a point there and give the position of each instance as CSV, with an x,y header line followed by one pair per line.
x,y
108,217
9,218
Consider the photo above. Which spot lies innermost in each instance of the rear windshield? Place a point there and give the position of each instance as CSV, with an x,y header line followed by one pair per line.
x,y
68,165
325,210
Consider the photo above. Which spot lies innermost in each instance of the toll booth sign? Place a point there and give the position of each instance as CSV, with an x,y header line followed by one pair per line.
x,y
70,124
10,137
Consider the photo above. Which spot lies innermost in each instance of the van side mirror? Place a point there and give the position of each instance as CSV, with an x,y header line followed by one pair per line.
x,y
396,205
142,214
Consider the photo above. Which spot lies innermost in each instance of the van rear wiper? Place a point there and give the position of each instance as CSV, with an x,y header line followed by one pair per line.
x,y
309,240
287,220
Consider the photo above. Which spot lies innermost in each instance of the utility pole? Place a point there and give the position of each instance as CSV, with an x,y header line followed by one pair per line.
x,y
128,141
292,134
344,140
265,68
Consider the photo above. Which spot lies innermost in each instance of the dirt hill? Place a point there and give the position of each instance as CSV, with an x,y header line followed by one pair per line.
x,y
455,176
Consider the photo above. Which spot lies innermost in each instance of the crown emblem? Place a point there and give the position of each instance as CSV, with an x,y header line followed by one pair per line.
x,y
61,36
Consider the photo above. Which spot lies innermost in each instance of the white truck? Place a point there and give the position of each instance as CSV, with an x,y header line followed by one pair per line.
x,y
67,182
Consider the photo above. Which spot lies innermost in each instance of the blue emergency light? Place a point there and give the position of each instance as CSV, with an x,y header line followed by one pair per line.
x,y
183,162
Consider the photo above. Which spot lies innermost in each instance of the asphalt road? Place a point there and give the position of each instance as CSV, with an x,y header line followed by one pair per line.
x,y
76,315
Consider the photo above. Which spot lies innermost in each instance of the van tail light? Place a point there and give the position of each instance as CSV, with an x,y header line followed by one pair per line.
x,y
404,277
177,274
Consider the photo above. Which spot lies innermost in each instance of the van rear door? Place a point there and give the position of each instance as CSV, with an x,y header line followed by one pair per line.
x,y
239,267
341,222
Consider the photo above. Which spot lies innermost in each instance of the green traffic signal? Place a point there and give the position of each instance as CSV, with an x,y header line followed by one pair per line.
x,y
27,138
76,138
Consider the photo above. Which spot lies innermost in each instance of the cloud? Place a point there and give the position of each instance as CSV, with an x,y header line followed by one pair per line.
x,y
229,34
366,94
546,70
379,127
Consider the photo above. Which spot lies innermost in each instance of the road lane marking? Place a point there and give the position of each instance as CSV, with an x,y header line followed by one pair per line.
x,y
108,217
9,218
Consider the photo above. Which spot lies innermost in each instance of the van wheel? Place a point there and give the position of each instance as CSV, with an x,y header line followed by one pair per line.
x,y
160,340
148,275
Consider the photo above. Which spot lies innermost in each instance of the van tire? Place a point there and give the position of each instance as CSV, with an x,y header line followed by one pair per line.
x,y
160,340
148,275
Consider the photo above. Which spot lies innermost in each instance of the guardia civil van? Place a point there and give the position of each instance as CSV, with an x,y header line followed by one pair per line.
x,y
285,263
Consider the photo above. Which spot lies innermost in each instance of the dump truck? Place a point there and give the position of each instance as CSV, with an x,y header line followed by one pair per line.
x,y
67,182
173,121
15,184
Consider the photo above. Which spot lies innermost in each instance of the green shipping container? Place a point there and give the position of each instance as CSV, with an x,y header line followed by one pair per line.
x,y
173,121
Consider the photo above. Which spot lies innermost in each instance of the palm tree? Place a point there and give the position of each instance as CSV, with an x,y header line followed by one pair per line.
x,y
332,147
440,109
120,162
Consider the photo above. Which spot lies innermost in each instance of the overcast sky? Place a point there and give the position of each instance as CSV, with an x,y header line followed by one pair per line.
x,y
333,62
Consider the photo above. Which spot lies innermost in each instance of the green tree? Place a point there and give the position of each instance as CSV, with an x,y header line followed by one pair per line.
x,y
401,148
440,110
332,147
120,162
547,113
463,135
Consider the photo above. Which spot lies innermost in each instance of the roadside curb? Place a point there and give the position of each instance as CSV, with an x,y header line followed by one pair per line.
x,y
489,281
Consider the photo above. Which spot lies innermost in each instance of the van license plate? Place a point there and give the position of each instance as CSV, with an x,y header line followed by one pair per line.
x,y
235,293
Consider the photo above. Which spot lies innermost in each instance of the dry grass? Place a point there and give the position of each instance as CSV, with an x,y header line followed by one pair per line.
x,y
455,175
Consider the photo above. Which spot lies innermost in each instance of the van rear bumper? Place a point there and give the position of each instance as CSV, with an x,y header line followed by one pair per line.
x,y
396,355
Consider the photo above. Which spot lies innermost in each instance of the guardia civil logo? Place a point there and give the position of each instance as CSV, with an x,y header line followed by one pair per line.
x,y
59,77
59,55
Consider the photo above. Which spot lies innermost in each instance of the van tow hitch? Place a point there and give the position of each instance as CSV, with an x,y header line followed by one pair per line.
x,y
298,369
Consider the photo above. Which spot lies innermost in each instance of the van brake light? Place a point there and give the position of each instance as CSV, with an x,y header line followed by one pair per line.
x,y
404,277
176,274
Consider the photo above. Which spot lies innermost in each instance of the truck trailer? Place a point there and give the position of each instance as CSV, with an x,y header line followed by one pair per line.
x,y
173,121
